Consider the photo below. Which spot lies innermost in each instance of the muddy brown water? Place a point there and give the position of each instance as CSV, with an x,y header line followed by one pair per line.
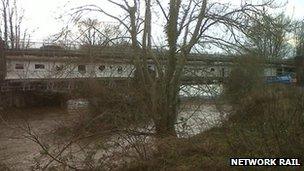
x,y
16,150
19,153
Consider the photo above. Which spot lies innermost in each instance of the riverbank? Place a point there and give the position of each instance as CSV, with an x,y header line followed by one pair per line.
x,y
268,123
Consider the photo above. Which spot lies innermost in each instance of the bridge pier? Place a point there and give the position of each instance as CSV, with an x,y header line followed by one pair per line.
x,y
19,101
30,99
12,99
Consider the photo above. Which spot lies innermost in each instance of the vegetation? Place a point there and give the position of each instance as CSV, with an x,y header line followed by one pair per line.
x,y
299,33
11,29
267,122
267,34
4,167
246,75
133,125
186,25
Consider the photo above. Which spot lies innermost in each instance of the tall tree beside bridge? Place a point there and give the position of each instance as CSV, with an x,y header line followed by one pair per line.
x,y
263,34
2,61
267,36
11,29
299,33
186,25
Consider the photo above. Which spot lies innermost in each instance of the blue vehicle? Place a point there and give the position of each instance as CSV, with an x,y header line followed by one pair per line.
x,y
288,78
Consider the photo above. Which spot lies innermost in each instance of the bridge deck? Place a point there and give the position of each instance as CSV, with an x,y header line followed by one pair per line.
x,y
68,84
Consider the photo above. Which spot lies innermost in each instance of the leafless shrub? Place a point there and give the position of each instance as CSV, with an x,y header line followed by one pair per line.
x,y
4,167
246,75
269,123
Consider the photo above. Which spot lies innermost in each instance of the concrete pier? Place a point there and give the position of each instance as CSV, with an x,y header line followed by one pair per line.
x,y
30,99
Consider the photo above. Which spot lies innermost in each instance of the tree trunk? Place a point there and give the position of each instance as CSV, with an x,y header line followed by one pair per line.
x,y
300,70
2,61
5,6
165,124
166,111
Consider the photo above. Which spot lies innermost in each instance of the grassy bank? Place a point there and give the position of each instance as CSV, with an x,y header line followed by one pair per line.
x,y
265,123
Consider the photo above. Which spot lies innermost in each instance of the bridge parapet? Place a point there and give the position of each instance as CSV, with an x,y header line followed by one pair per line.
x,y
120,52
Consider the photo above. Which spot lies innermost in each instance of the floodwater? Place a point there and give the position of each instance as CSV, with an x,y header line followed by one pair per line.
x,y
193,118
202,91
75,104
20,153
16,150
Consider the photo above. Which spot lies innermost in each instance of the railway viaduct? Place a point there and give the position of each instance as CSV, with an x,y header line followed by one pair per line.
x,y
25,73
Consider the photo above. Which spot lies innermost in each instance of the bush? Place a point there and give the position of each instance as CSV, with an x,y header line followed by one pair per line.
x,y
196,153
120,105
246,75
269,123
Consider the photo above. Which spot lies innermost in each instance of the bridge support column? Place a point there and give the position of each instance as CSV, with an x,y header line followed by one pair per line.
x,y
63,101
5,100
2,101
19,101
12,99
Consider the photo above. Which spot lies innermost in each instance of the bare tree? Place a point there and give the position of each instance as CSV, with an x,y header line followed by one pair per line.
x,y
299,51
88,33
95,33
2,61
187,24
299,38
267,36
13,35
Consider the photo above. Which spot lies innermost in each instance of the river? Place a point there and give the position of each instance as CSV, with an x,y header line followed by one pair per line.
x,y
20,153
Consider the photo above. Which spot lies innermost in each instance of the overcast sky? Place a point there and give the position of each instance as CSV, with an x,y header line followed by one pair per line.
x,y
40,15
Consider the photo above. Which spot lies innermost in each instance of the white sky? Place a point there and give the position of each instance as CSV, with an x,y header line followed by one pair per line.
x,y
40,15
